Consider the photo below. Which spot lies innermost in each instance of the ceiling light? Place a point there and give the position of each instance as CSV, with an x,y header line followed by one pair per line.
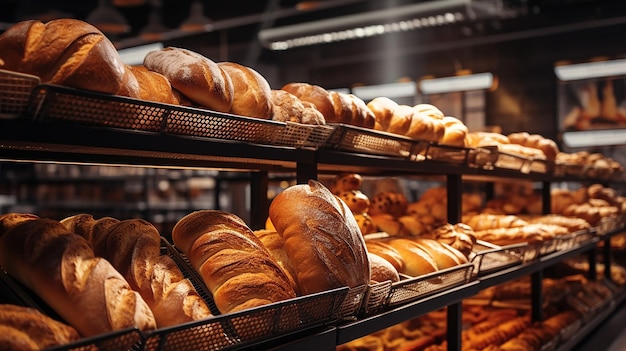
x,y
391,90
478,81
106,18
591,70
154,29
391,20
591,138
197,21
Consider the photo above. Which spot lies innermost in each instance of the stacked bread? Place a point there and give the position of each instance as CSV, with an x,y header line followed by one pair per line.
x,y
25,328
592,203
133,246
62,269
523,144
592,164
336,107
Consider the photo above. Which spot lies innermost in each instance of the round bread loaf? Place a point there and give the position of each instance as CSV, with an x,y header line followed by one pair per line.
x,y
286,107
64,51
382,270
322,238
252,93
316,95
195,76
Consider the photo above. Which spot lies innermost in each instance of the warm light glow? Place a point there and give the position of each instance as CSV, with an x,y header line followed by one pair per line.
x,y
468,82
591,70
589,138
391,90
135,55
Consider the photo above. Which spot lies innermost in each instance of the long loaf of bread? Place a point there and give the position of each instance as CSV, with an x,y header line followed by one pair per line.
x,y
133,246
232,261
61,268
321,238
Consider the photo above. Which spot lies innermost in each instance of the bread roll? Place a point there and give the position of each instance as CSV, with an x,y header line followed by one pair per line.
x,y
388,252
25,328
197,77
322,238
252,95
389,224
232,261
60,267
382,108
365,222
417,261
401,120
393,203
362,116
133,246
342,105
381,269
316,95
311,115
356,200
153,86
455,132
64,51
345,182
286,107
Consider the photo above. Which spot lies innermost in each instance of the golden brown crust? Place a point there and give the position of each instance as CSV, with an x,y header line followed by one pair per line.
x,y
321,238
36,329
63,51
194,75
382,108
232,261
286,107
417,261
382,270
387,252
153,86
252,93
316,95
61,268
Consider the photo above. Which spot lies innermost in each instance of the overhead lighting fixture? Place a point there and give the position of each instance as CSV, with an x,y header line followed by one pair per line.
x,y
589,70
197,21
391,90
154,29
478,81
135,55
106,18
592,138
392,20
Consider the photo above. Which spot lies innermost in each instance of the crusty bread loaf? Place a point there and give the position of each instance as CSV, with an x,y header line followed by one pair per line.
x,y
233,263
274,243
316,95
455,132
133,246
153,86
63,51
383,108
60,267
417,261
25,328
537,141
382,270
322,238
286,107
342,106
252,95
362,116
386,251
194,75
401,120
311,115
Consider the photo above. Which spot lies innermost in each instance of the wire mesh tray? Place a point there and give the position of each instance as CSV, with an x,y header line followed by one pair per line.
x,y
569,169
15,91
245,328
609,225
376,299
255,324
413,288
488,258
124,339
352,303
541,166
370,141
51,102
447,153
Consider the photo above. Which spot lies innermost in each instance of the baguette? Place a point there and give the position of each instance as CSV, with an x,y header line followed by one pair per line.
x,y
25,328
232,261
133,247
61,268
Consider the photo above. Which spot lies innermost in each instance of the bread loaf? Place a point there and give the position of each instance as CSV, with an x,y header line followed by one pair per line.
x,y
133,246
232,261
316,95
60,267
382,108
252,95
286,107
25,328
455,132
388,252
194,75
381,269
274,243
322,238
153,86
423,255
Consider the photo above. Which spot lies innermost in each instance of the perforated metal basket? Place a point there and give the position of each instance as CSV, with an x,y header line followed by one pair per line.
x,y
15,91
56,103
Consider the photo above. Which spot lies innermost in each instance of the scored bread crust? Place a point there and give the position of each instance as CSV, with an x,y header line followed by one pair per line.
x,y
194,75
321,238
252,95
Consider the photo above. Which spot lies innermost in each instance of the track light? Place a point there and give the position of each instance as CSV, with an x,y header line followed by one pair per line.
x,y
468,82
392,20
197,21
589,70
106,18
